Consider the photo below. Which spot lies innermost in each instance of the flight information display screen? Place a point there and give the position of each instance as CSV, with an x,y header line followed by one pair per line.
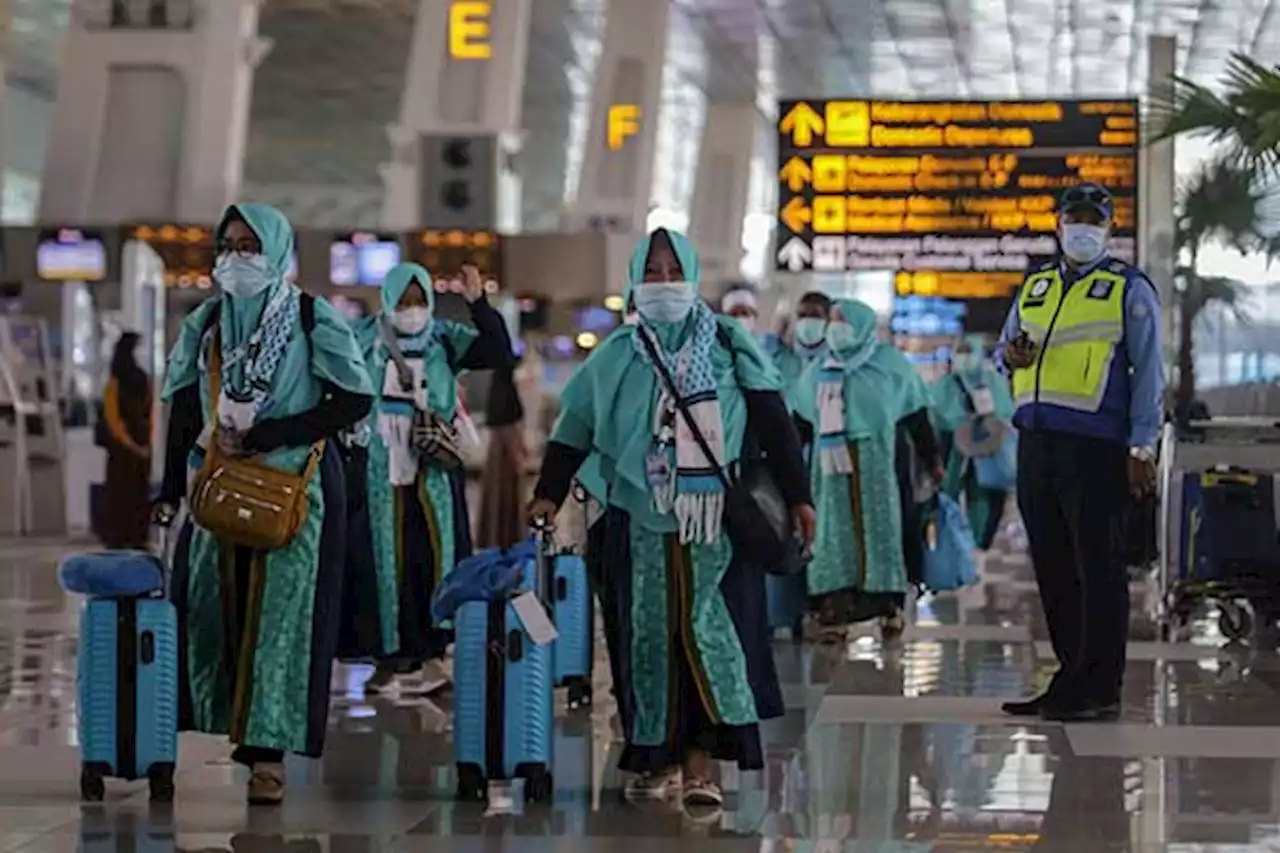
x,y
71,254
956,198
362,258
186,250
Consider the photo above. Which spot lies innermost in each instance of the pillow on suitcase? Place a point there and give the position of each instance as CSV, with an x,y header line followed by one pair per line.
x,y
112,574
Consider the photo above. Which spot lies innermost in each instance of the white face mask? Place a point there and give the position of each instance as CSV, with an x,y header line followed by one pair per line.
x,y
411,321
1082,242
242,277
665,301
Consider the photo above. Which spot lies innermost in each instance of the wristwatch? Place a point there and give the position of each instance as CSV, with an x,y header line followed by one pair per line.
x,y
1145,454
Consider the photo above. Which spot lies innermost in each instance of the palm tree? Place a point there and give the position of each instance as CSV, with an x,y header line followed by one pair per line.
x,y
1223,203
1245,117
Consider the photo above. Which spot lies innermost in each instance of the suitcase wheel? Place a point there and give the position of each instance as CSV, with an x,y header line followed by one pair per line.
x,y
92,785
1235,622
538,785
579,695
160,781
472,786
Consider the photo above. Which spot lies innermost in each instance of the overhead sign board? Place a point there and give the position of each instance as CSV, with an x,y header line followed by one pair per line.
x,y
956,197
445,251
186,250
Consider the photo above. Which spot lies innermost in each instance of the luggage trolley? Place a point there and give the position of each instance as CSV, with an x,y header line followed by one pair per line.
x,y
1241,458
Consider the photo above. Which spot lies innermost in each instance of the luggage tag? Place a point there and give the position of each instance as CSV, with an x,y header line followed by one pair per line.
x,y
983,403
533,617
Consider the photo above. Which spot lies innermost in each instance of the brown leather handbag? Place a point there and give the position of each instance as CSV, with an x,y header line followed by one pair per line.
x,y
244,501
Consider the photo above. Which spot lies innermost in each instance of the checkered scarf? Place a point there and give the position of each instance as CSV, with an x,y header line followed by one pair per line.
x,y
692,489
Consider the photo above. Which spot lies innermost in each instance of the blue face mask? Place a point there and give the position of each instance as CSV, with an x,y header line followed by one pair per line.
x,y
840,336
966,362
1082,242
810,331
664,301
241,277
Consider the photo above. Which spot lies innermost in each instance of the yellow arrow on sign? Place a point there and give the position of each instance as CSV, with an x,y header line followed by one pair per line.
x,y
796,173
795,215
803,123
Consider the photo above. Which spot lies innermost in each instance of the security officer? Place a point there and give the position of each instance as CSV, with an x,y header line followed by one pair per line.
x,y
1082,346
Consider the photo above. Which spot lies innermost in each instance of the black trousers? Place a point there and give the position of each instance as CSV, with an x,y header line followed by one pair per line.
x,y
1073,492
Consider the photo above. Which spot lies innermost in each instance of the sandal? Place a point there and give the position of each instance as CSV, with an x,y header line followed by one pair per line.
x,y
266,784
701,792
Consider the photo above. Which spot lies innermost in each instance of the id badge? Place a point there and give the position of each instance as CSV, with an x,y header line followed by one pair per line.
x,y
983,403
657,468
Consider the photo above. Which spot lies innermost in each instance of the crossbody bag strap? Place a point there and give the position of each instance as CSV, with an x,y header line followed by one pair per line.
x,y
215,388
683,408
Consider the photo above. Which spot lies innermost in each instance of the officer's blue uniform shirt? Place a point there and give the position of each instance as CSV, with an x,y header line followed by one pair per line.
x,y
1132,409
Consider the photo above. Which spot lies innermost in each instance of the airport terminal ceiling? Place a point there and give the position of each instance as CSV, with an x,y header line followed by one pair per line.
x,y
339,63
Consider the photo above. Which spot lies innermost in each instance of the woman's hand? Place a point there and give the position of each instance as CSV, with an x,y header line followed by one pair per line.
x,y
540,510
230,441
805,521
472,284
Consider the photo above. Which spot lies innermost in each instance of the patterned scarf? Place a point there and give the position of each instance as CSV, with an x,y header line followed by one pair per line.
x,y
249,368
833,440
680,476
404,391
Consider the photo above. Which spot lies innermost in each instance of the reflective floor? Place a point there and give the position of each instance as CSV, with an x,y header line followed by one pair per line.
x,y
886,748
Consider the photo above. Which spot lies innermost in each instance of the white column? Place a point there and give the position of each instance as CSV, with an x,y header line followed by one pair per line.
x,y
475,93
5,42
150,123
1157,190
720,189
617,180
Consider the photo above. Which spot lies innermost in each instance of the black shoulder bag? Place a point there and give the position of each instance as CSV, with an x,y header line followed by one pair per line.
x,y
756,518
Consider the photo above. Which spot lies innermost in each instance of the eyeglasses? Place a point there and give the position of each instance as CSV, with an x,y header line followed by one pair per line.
x,y
245,248
1086,195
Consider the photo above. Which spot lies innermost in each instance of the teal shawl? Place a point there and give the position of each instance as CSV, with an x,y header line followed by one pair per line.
x,y
328,354
880,386
607,406
949,395
435,343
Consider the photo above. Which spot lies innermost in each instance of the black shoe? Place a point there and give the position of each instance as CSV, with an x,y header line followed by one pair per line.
x,y
1089,713
1026,707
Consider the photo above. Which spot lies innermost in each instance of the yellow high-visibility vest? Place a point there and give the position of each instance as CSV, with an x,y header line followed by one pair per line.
x,y
1078,334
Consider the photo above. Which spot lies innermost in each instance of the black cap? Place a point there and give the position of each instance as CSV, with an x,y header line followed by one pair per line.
x,y
1087,197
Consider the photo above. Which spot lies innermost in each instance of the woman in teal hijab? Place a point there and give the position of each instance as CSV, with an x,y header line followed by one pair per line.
x,y
802,342
695,670
973,410
259,627
417,513
854,400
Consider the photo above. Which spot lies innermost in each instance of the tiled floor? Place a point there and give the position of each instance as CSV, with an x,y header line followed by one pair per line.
x,y
886,748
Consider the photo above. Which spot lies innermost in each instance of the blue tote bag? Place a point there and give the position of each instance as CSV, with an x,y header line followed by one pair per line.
x,y
948,552
999,470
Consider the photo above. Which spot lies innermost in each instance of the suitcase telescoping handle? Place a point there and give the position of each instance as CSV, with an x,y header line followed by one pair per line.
x,y
542,529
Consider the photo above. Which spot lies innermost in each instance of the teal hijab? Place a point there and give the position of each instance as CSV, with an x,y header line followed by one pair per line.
x,y
433,344
239,317
607,405
951,393
880,386
329,353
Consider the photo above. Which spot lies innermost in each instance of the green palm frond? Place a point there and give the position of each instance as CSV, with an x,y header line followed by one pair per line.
x,y
1245,117
1226,203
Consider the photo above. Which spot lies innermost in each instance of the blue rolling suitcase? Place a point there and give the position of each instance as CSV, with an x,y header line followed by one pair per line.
x,y
572,652
503,701
127,672
786,597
